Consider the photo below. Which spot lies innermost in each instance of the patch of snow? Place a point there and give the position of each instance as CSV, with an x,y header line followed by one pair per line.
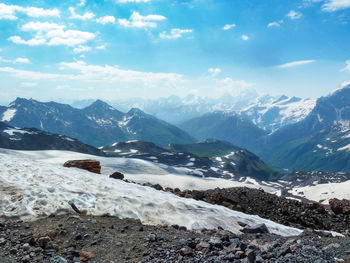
x,y
166,153
8,114
251,181
117,151
324,191
334,234
192,159
189,164
11,131
131,141
45,188
345,148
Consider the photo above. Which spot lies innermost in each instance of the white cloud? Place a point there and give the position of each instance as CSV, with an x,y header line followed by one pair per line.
x,y
214,71
32,75
228,26
347,67
335,5
133,1
85,16
296,63
139,21
29,84
82,3
101,47
17,60
175,33
116,74
244,37
81,49
294,14
52,34
233,87
22,60
275,23
106,19
82,72
9,12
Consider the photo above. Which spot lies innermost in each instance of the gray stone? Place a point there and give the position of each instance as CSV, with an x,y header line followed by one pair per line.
x,y
58,259
261,228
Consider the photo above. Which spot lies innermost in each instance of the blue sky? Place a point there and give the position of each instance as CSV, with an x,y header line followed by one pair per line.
x,y
112,49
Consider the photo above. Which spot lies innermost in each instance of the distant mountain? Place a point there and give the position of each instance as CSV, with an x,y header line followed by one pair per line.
x,y
271,113
98,124
175,110
320,141
226,126
267,112
230,157
199,159
34,139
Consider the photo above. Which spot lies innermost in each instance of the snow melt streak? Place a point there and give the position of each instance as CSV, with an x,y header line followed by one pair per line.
x,y
31,188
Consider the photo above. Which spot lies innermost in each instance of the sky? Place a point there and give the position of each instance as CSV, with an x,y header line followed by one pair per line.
x,y
116,49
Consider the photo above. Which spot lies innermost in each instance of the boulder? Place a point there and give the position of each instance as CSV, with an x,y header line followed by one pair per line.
x,y
117,175
340,206
89,165
261,228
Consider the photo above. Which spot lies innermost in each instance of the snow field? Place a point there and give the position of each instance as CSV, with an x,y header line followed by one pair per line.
x,y
32,187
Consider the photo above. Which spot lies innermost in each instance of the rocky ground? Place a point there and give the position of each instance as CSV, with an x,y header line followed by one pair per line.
x,y
81,238
257,202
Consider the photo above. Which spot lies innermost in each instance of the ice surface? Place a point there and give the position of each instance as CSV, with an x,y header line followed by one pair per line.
x,y
36,184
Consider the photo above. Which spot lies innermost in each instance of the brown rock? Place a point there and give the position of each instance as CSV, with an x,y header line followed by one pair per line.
x,y
85,256
186,251
89,165
340,206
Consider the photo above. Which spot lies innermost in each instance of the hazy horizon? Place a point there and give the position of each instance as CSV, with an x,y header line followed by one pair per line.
x,y
117,49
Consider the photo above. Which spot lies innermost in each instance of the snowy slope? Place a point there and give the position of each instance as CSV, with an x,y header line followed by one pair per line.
x,y
32,188
271,113
323,192
142,171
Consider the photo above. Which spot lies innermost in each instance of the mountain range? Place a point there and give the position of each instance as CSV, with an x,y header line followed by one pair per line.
x,y
98,124
267,112
320,141
285,132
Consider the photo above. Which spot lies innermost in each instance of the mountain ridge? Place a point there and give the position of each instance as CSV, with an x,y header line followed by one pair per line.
x,y
97,124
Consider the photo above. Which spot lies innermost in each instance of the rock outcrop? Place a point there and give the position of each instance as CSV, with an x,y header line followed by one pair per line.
x,y
117,175
89,165
340,206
